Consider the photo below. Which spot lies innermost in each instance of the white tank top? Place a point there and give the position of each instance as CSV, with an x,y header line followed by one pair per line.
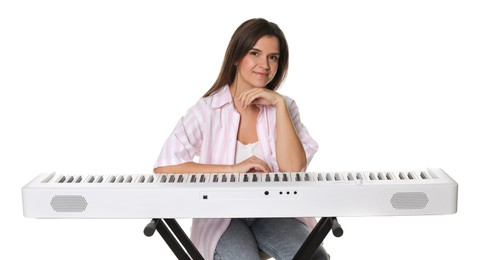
x,y
245,151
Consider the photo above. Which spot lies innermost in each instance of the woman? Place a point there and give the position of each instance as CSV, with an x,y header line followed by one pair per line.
x,y
243,125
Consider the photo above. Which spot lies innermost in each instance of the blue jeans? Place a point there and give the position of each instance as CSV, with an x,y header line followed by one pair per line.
x,y
280,238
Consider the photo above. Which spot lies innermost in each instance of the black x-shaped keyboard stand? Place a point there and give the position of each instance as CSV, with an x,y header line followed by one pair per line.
x,y
183,248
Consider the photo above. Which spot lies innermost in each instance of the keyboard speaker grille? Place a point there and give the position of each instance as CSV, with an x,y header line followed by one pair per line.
x,y
68,203
409,200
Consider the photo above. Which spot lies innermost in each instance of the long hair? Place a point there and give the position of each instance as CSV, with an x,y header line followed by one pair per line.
x,y
241,42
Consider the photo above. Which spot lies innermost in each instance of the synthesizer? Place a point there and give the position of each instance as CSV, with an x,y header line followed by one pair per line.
x,y
236,195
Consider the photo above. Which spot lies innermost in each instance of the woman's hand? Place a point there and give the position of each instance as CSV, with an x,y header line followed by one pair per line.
x,y
260,96
252,164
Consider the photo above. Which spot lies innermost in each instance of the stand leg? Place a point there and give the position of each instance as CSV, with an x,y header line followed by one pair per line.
x,y
316,237
184,239
167,234
171,241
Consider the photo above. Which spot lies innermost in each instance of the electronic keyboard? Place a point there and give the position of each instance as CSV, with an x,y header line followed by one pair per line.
x,y
236,195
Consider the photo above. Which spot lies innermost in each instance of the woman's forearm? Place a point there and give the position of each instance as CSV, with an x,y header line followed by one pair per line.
x,y
252,163
192,167
290,152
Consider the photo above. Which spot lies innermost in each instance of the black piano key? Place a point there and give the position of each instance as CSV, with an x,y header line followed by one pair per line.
x,y
255,178
307,177
276,177
202,178
193,178
140,179
61,179
297,177
223,178
319,177
372,176
171,178
402,176
245,178
423,175
359,176
284,177
232,178
380,176
78,179
350,177
120,179
267,177
388,176
411,176
215,178
337,177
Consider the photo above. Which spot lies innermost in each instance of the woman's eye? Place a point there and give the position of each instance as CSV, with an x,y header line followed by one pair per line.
x,y
273,58
254,53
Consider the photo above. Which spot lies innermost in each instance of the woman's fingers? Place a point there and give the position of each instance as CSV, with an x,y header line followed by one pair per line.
x,y
247,97
252,163
260,96
260,164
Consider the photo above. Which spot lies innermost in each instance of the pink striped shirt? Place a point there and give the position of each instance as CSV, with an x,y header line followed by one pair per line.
x,y
209,131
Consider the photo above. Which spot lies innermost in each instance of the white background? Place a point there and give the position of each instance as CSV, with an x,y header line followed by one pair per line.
x,y
97,86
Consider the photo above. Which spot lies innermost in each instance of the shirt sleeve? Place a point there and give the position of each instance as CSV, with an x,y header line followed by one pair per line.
x,y
184,143
309,144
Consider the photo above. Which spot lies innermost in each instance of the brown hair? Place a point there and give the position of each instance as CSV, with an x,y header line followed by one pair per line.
x,y
242,40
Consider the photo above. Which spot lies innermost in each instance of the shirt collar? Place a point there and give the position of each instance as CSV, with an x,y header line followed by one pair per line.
x,y
221,97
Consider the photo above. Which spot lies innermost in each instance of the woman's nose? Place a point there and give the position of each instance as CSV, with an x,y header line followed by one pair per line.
x,y
264,63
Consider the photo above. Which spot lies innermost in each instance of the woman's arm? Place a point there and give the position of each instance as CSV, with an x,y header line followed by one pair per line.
x,y
191,167
290,151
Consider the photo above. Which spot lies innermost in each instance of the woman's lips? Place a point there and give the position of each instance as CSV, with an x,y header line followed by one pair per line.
x,y
261,74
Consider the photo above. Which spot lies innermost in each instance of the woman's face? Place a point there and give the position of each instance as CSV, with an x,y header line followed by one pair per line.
x,y
258,67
